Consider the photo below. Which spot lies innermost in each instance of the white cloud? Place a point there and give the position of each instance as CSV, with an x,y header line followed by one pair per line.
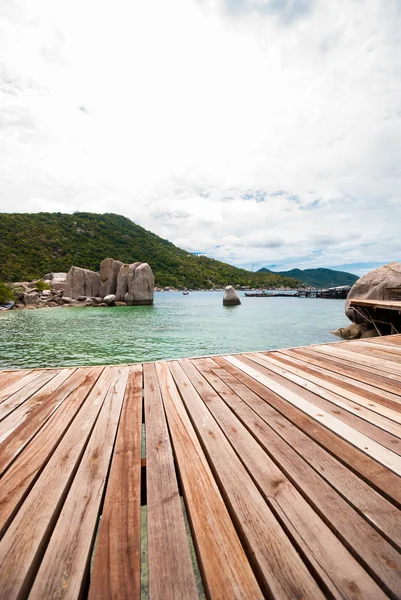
x,y
259,132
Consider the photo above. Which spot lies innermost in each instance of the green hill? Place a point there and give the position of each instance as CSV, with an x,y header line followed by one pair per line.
x,y
32,245
319,278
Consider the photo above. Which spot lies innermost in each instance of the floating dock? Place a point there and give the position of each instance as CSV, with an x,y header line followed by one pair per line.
x,y
258,475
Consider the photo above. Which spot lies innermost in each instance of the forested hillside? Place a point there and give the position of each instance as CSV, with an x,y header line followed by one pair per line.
x,y
34,244
319,278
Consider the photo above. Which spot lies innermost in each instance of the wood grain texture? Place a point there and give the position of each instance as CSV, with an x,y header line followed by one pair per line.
x,y
381,479
9,377
312,536
13,401
17,384
352,370
282,573
226,572
171,574
116,567
379,398
351,403
33,405
377,510
377,556
27,536
65,565
16,482
361,441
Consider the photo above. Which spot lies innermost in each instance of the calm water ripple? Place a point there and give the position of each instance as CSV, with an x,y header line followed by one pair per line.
x,y
174,327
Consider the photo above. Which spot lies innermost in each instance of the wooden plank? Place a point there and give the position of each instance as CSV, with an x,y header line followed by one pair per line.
x,y
281,571
369,446
383,304
381,479
376,509
18,384
350,402
171,574
391,370
65,564
22,433
9,377
355,371
376,398
16,482
386,359
313,538
27,536
26,392
18,416
226,572
116,566
386,348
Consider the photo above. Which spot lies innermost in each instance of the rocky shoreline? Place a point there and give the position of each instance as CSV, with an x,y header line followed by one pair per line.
x,y
116,284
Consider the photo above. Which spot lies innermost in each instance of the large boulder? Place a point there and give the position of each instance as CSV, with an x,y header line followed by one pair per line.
x,y
124,279
109,269
81,282
230,297
373,286
140,285
31,299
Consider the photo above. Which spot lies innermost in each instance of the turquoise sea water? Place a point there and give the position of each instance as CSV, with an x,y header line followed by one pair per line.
x,y
175,326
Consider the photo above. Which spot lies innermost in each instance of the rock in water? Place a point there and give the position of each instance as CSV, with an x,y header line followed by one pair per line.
x,y
231,297
81,282
110,299
372,286
124,278
109,269
140,285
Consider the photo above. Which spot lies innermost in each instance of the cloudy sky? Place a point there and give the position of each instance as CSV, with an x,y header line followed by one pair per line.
x,y
259,132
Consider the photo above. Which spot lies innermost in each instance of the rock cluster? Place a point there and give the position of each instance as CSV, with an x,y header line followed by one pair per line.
x,y
230,297
117,284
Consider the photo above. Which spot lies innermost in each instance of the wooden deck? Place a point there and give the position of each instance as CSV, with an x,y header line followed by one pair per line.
x,y
282,470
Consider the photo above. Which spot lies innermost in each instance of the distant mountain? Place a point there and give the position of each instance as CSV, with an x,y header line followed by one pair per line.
x,y
34,244
319,278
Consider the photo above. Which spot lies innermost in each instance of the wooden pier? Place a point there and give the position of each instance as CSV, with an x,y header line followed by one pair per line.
x,y
262,475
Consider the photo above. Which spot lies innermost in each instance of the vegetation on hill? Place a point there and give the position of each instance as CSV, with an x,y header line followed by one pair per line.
x,y
6,293
319,278
32,245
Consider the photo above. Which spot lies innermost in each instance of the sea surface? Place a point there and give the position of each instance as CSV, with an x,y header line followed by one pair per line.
x,y
176,326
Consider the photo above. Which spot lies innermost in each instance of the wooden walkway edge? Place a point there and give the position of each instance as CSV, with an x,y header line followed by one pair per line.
x,y
266,475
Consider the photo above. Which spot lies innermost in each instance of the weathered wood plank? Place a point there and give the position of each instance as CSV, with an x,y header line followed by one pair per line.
x,y
27,536
226,572
350,402
16,482
16,385
373,396
391,370
282,572
171,574
26,392
32,405
66,561
316,542
24,432
385,348
376,509
9,377
381,479
368,445
355,371
116,566
386,360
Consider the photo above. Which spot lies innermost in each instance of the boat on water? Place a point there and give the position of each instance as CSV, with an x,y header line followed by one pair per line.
x,y
185,293
6,305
